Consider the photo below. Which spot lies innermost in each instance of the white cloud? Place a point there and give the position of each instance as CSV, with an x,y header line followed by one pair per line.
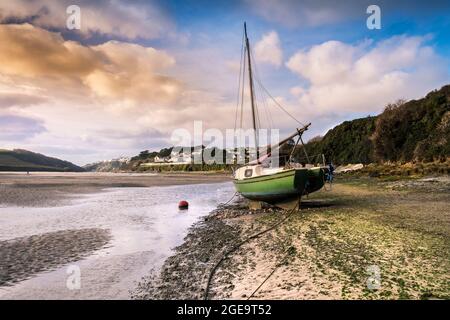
x,y
134,73
19,128
297,91
365,77
325,63
9,100
268,49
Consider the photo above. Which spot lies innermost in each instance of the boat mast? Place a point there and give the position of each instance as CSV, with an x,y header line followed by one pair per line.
x,y
252,95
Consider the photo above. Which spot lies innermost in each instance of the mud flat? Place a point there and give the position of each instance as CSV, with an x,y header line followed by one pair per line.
x,y
21,258
54,189
367,238
114,237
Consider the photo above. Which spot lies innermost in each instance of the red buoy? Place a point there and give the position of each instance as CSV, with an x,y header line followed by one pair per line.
x,y
183,205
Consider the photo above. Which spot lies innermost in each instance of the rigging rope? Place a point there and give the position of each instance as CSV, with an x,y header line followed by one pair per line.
x,y
257,94
258,80
263,101
234,195
243,90
255,91
278,104
266,108
239,84
304,148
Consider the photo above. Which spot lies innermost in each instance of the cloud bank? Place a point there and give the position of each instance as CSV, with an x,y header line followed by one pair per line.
x,y
18,128
363,78
113,70
268,49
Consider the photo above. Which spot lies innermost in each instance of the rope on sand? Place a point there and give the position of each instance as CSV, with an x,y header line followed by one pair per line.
x,y
233,249
271,273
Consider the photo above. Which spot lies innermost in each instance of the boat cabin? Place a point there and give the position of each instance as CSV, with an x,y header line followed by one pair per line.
x,y
251,171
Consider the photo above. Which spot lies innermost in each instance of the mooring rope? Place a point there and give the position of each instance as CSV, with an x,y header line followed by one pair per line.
x,y
233,249
288,253
234,195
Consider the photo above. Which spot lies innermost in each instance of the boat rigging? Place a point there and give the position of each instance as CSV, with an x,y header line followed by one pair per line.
x,y
257,180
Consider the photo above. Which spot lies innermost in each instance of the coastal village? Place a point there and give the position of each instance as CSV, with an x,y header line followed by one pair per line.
x,y
196,155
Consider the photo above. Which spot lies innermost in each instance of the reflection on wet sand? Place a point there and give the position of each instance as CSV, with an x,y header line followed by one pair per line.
x,y
22,257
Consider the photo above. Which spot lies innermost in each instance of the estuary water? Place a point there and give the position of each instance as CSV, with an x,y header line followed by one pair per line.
x,y
100,245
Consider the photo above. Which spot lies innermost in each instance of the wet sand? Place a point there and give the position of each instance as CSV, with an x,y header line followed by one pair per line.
x,y
114,227
327,250
368,238
21,258
54,189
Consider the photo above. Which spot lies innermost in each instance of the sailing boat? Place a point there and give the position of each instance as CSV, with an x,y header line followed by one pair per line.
x,y
280,185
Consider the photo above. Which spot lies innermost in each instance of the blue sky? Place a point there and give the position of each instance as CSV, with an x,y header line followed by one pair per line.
x,y
138,70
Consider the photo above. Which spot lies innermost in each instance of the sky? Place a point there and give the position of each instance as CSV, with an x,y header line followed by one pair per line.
x,y
136,71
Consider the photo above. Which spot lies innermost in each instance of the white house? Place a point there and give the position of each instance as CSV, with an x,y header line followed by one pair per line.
x,y
181,158
160,159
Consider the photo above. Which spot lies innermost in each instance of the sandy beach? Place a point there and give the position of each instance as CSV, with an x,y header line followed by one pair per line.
x,y
394,235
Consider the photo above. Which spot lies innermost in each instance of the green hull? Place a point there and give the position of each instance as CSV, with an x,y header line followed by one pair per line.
x,y
281,186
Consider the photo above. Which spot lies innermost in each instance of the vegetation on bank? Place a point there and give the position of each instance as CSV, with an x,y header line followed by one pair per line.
x,y
348,142
392,170
417,130
23,160
387,170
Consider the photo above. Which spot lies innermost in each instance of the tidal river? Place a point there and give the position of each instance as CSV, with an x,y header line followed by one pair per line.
x,y
100,245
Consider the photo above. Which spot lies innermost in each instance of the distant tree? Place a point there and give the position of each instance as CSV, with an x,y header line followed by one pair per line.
x,y
416,130
165,152
315,139
386,138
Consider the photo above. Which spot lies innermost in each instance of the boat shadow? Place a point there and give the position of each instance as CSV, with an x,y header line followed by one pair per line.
x,y
317,204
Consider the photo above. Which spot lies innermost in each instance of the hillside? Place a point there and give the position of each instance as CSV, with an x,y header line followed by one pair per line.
x,y
23,160
107,165
417,130
348,142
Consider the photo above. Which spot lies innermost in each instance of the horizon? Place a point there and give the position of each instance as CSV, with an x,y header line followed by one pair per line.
x,y
136,71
